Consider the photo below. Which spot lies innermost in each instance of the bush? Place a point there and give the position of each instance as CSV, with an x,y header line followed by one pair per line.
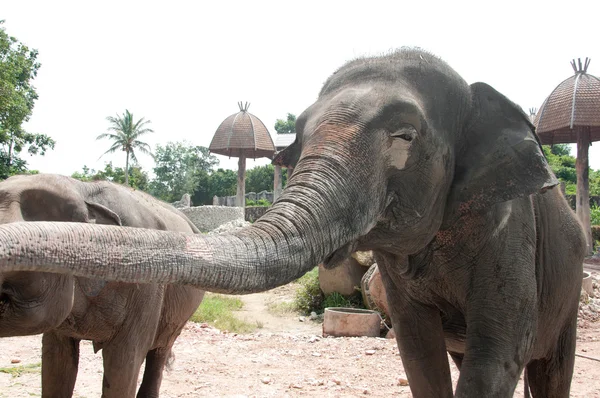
x,y
259,203
595,215
310,298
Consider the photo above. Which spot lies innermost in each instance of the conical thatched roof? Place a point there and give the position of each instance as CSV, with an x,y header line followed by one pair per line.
x,y
242,134
573,104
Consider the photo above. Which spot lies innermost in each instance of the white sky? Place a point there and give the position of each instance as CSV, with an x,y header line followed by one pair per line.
x,y
184,65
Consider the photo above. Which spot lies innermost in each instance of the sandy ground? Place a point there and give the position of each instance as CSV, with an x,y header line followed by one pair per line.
x,y
285,358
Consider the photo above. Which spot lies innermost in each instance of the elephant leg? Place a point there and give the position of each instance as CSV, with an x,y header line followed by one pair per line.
x,y
122,363
60,358
551,377
420,339
155,364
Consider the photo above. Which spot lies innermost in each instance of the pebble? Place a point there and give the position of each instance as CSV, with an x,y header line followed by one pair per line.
x,y
266,380
402,382
15,361
369,352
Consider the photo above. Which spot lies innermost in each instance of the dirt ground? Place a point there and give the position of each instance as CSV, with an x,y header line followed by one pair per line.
x,y
285,358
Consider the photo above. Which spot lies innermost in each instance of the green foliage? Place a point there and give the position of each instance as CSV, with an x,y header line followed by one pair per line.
x,y
287,126
261,178
125,137
18,67
595,215
218,182
309,296
217,310
181,168
260,203
563,165
137,177
16,371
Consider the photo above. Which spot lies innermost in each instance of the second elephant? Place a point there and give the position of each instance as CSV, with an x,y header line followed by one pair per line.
x,y
129,322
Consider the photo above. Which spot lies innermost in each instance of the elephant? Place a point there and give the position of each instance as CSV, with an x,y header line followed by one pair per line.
x,y
129,322
446,182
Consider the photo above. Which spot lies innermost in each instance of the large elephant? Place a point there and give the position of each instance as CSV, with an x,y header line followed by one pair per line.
x,y
129,322
446,182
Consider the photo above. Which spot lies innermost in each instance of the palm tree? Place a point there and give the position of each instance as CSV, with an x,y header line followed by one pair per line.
x,y
126,137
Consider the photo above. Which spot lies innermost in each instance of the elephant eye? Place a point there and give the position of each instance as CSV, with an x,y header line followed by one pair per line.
x,y
406,137
406,133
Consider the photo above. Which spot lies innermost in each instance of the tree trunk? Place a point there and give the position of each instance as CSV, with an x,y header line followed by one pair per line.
x,y
241,182
127,168
277,183
583,186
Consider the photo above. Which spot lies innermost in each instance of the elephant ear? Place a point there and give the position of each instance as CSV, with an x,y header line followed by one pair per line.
x,y
100,214
288,157
499,157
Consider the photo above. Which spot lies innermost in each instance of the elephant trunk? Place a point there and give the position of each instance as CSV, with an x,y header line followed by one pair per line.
x,y
304,226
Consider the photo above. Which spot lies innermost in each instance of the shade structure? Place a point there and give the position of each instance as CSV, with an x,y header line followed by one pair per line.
x,y
242,135
573,105
571,114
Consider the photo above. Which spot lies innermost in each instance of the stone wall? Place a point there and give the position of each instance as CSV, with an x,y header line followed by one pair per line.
x,y
230,200
207,218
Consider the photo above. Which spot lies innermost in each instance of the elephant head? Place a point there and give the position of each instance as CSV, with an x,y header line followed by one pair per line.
x,y
32,303
395,149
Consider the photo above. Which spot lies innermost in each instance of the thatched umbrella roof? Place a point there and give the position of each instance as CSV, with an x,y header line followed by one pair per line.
x,y
571,114
242,135
574,103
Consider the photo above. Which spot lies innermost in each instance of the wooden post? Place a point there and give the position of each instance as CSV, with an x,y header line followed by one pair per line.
x,y
583,185
241,182
277,183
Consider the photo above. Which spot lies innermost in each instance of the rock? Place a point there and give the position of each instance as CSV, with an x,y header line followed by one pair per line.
x,y
229,226
402,382
313,316
185,202
390,334
343,279
373,292
313,339
15,361
369,352
266,380
365,259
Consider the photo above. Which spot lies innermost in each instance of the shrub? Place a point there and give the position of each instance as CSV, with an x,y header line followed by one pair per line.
x,y
309,296
259,203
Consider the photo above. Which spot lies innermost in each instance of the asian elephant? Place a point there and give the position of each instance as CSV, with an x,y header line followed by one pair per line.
x,y
446,182
130,322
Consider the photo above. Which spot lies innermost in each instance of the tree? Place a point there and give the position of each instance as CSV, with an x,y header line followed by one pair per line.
x,y
287,126
137,177
220,182
126,137
18,67
563,165
179,168
260,178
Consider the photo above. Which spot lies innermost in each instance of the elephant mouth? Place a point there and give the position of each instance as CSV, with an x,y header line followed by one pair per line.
x,y
335,258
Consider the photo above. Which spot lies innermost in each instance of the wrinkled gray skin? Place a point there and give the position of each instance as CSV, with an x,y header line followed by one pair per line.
x,y
479,254
129,322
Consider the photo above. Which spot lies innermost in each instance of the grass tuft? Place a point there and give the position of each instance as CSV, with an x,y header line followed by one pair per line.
x,y
16,371
217,310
